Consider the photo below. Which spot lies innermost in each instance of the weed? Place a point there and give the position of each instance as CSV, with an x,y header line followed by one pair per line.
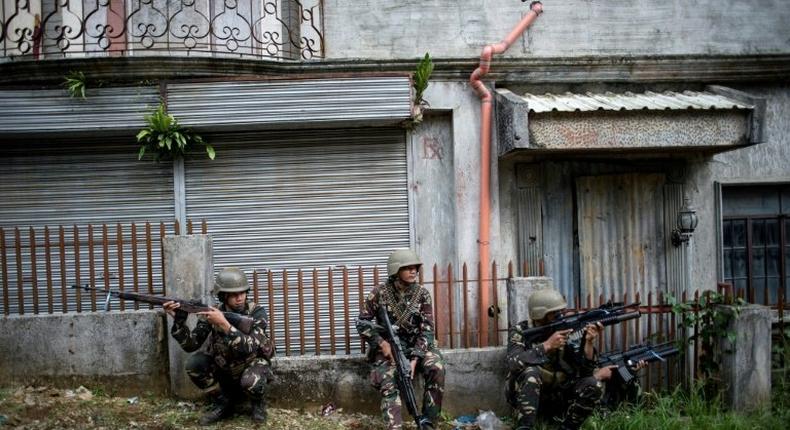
x,y
75,83
166,139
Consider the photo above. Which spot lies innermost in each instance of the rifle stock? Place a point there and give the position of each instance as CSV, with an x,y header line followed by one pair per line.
x,y
403,375
241,322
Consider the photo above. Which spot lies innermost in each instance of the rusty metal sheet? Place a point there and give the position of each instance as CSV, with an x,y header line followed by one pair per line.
x,y
621,234
668,100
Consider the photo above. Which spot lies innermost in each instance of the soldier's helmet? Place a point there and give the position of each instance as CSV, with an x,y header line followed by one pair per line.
x,y
544,301
230,280
401,258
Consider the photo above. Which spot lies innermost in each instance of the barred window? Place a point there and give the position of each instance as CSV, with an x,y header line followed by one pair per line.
x,y
756,240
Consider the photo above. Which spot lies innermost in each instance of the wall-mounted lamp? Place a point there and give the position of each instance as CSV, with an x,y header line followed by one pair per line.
x,y
687,222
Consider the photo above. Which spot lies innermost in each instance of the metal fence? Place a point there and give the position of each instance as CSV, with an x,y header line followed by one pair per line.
x,y
275,29
37,266
312,311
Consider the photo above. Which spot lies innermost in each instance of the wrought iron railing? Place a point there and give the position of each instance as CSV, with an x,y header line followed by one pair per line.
x,y
274,29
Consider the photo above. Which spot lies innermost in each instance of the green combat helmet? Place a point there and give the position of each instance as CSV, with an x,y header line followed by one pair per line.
x,y
542,302
231,280
402,258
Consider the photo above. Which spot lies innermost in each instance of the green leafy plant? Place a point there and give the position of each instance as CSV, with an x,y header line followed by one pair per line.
x,y
420,82
75,84
709,322
166,139
780,348
421,77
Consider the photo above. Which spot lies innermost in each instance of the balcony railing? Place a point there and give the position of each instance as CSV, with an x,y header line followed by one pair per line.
x,y
269,29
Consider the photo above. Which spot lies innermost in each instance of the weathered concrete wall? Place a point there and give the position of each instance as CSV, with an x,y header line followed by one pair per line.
x,y
432,188
768,162
189,274
124,351
474,380
746,370
445,187
573,28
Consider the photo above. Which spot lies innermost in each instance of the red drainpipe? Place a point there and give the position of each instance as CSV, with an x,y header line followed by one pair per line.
x,y
536,8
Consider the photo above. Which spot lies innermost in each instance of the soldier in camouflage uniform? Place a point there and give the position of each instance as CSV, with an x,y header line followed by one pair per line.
x,y
239,363
409,308
553,378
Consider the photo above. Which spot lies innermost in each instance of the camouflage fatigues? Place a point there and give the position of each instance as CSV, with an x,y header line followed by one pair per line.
x,y
409,309
557,384
238,362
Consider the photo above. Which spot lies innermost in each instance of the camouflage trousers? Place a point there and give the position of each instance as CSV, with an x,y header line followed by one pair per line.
x,y
382,377
529,393
250,379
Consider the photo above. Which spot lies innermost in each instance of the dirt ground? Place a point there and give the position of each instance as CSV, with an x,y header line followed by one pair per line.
x,y
42,407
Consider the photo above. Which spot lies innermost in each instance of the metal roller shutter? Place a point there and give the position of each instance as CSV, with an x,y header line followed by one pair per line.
x,y
77,184
291,200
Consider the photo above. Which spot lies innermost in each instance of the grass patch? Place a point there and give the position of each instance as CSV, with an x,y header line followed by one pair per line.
x,y
689,411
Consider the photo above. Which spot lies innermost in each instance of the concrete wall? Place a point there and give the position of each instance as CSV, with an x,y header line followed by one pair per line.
x,y
189,267
450,194
768,162
746,364
572,28
444,185
475,379
125,351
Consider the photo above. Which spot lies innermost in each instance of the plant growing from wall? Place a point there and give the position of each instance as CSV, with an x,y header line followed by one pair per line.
x,y
709,322
75,84
780,349
166,139
420,83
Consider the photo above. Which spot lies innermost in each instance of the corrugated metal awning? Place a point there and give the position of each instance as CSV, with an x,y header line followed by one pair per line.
x,y
649,100
718,119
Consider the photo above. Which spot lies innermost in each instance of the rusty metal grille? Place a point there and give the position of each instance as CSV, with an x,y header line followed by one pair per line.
x,y
273,29
37,265
35,274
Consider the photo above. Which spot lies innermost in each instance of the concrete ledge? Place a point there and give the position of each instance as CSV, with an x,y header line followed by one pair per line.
x,y
475,379
124,352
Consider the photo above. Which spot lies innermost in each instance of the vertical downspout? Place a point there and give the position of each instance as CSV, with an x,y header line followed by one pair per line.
x,y
486,99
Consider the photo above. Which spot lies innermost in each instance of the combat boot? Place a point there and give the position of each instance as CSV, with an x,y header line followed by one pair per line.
x,y
222,408
425,424
259,413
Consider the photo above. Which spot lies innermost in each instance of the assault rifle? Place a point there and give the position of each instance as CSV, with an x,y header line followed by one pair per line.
x,y
241,322
607,314
628,359
403,373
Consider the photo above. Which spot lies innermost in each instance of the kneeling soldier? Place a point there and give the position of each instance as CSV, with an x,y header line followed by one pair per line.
x,y
553,378
239,363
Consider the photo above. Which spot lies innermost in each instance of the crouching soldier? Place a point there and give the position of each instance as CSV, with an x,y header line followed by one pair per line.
x,y
410,311
553,378
239,363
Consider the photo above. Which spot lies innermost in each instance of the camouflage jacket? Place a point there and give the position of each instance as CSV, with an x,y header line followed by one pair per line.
x,y
232,349
409,309
568,362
